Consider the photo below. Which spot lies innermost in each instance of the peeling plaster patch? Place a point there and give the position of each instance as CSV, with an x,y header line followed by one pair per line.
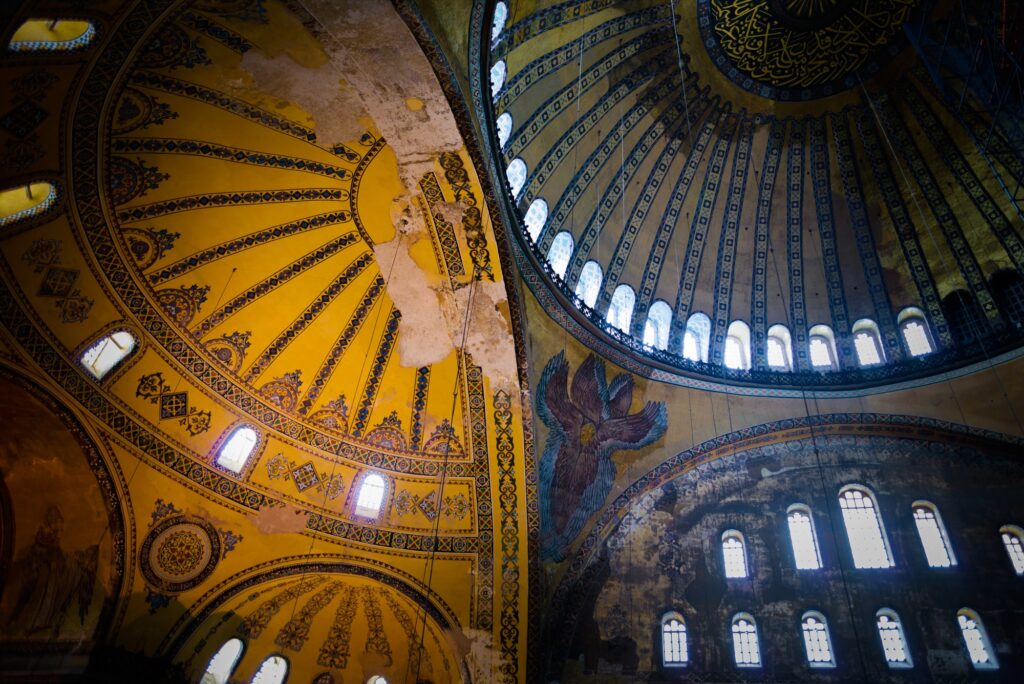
x,y
414,104
285,519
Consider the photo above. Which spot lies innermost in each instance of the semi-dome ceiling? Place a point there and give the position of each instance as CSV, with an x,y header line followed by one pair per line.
x,y
810,182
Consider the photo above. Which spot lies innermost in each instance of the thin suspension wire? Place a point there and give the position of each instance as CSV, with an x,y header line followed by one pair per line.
x,y
682,73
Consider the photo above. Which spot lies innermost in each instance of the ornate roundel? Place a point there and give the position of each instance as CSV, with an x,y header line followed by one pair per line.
x,y
179,553
801,49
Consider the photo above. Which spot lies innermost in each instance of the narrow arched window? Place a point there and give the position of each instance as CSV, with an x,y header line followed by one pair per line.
x,y
916,335
560,252
371,496
779,348
822,348
817,641
933,535
498,72
697,338
964,316
867,343
223,662
25,201
516,174
620,310
979,648
1007,287
237,449
734,554
1013,542
864,528
674,650
273,670
589,284
58,35
894,641
803,537
376,679
536,217
504,127
658,325
737,346
500,17
105,353
745,646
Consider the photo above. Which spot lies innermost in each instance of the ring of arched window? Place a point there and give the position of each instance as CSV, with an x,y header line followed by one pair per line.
x,y
867,343
658,325
734,554
893,638
803,537
223,663
503,126
273,670
108,352
536,217
234,454
865,530
560,252
697,337
917,336
25,201
932,532
779,348
674,646
976,641
817,640
821,345
620,310
516,174
52,35
371,494
498,73
498,23
737,346
1013,542
589,284
746,646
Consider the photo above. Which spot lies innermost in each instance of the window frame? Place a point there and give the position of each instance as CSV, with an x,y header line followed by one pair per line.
x,y
118,366
234,663
275,654
659,305
1018,533
357,490
698,325
909,315
627,309
537,202
806,510
986,642
868,327
665,619
780,334
820,617
568,258
250,458
943,533
878,520
739,332
828,337
498,128
893,616
735,535
756,635
516,192
588,268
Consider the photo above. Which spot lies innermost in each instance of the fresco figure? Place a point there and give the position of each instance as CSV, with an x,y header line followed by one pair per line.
x,y
589,422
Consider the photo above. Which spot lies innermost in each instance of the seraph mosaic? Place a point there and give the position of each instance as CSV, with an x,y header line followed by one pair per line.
x,y
589,421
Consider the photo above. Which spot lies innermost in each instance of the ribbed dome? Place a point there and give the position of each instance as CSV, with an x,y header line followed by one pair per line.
x,y
810,209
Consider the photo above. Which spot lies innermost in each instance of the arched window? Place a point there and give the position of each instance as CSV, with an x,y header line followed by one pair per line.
x,y
500,17
1013,542
864,528
965,318
658,325
916,335
822,347
779,348
273,670
498,72
237,449
734,554
803,537
979,648
817,642
933,535
737,346
1007,287
371,495
376,679
868,343
674,651
620,310
223,662
504,127
58,35
105,353
894,641
25,201
536,217
589,284
697,338
516,174
745,646
560,252
324,678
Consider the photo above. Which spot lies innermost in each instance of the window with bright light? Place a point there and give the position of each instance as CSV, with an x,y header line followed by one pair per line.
x,y
734,554
914,329
536,217
371,496
778,348
108,351
822,348
979,648
817,642
26,201
803,538
1013,542
933,535
745,646
674,651
504,126
273,670
589,284
697,338
376,679
864,529
867,343
52,35
516,174
500,17
498,72
237,449
560,252
620,310
223,662
894,641
658,326
737,346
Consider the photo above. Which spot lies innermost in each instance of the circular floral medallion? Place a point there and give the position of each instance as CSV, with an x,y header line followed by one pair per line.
x,y
801,49
179,553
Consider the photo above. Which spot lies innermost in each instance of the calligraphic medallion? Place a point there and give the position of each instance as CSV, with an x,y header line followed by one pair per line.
x,y
798,50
